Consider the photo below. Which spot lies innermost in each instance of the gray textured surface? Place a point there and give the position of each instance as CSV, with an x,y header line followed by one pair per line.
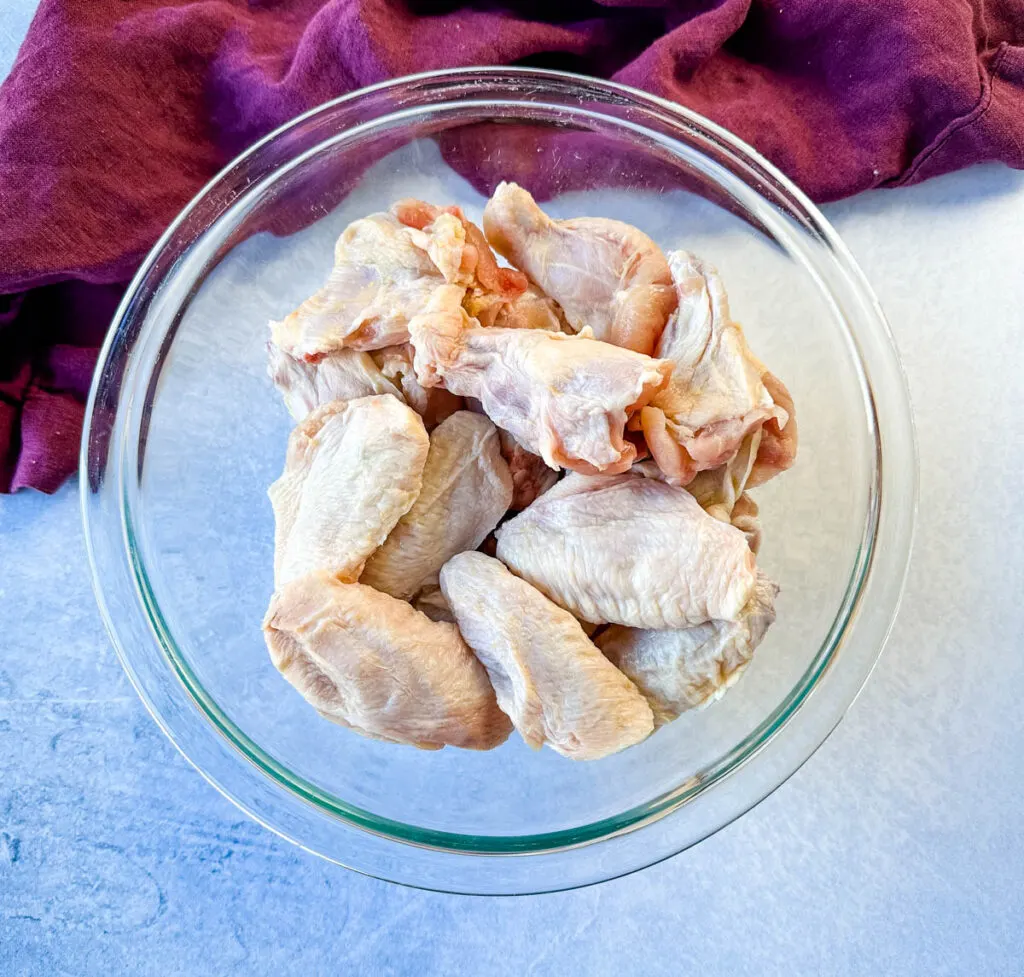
x,y
897,849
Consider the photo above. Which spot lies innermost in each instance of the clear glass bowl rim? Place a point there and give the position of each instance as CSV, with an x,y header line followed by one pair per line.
x,y
897,500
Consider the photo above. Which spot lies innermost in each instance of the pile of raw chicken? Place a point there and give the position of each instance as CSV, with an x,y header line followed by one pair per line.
x,y
517,496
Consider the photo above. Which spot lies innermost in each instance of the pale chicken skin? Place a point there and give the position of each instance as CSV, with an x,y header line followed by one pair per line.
x,y
629,550
603,273
721,492
378,666
380,280
683,669
549,677
716,395
343,375
467,488
433,404
444,241
352,470
565,398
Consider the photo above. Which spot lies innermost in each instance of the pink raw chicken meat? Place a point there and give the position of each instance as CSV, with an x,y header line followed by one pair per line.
x,y
777,449
565,398
531,477
603,273
717,393
495,296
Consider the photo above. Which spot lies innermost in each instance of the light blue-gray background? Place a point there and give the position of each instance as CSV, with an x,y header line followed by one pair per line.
x,y
896,850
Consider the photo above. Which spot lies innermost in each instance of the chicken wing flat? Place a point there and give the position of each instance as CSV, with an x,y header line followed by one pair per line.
x,y
376,665
565,398
629,550
353,469
603,273
466,489
548,675
691,667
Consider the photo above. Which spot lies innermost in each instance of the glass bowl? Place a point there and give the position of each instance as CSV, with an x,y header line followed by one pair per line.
x,y
185,433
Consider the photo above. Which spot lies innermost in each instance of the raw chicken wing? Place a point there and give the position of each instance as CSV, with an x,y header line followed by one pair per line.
x,y
342,375
467,488
353,469
548,675
716,395
374,664
565,398
604,274
683,669
380,280
629,550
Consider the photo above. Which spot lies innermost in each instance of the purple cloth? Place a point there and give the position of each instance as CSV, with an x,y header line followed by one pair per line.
x,y
116,113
